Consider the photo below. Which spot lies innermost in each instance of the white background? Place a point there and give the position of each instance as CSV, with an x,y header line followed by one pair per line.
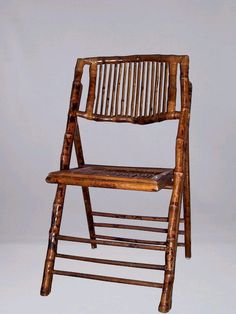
x,y
40,41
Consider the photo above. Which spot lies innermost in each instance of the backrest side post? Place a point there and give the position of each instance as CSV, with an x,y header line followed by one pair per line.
x,y
92,88
185,114
172,86
75,97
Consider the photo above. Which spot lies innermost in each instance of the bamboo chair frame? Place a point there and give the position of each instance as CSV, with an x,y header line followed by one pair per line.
x,y
138,89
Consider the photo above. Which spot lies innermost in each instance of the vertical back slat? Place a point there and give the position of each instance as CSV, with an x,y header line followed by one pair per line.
x,y
155,110
113,90
164,106
108,90
152,89
99,88
103,88
147,89
160,88
118,89
142,89
133,88
122,111
137,90
128,89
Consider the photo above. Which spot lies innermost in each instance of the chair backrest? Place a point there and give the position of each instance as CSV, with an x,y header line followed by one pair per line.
x,y
138,89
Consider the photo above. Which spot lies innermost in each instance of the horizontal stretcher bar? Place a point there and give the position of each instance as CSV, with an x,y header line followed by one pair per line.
x,y
134,217
108,278
106,237
111,262
112,243
123,226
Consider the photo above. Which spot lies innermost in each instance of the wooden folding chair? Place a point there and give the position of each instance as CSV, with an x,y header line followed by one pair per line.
x,y
138,89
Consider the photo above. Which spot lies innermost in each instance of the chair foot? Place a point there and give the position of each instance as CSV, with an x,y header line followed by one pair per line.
x,y
188,247
46,287
47,278
44,292
165,307
188,253
187,207
166,297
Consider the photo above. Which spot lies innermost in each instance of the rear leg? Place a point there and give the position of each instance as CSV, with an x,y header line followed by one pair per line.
x,y
85,190
187,205
88,208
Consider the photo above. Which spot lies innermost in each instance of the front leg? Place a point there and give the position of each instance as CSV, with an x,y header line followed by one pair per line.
x,y
53,240
171,245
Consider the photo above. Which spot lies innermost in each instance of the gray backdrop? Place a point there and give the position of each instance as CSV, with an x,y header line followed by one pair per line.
x,y
40,41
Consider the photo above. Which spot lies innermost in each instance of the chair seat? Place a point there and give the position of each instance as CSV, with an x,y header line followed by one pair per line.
x,y
115,177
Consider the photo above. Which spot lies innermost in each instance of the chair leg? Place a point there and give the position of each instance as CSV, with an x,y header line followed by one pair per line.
x,y
85,190
88,208
52,243
170,258
166,297
187,206
171,246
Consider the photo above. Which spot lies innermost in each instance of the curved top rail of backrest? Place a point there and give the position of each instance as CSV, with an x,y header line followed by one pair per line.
x,y
137,89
